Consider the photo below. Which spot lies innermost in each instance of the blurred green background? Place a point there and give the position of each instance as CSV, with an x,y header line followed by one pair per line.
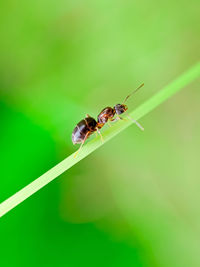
x,y
133,202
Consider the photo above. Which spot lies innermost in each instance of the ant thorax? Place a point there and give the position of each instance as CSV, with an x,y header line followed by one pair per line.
x,y
105,115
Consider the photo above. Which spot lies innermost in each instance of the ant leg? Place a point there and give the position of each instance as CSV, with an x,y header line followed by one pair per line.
x,y
120,118
100,135
116,119
137,123
86,136
96,134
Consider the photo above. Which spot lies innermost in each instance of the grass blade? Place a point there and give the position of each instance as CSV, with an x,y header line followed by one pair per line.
x,y
168,91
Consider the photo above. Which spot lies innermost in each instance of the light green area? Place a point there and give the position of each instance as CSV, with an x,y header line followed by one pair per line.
x,y
134,201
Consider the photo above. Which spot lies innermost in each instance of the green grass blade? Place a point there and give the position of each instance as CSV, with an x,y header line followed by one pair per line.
x,y
91,146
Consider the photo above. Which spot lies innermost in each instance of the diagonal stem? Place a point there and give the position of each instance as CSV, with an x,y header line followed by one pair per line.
x,y
168,91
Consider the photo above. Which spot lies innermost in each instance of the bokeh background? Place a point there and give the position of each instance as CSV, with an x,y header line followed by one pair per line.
x,y
133,202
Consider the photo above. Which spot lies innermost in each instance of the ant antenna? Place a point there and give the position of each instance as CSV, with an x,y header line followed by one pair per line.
x,y
133,92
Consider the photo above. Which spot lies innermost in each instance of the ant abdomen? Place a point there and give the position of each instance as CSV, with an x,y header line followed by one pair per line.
x,y
83,129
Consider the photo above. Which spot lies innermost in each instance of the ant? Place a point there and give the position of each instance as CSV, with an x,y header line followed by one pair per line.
x,y
108,113
89,125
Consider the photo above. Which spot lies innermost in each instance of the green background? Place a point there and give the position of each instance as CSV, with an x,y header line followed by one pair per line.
x,y
134,201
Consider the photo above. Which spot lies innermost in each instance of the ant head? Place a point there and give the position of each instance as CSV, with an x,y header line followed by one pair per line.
x,y
120,108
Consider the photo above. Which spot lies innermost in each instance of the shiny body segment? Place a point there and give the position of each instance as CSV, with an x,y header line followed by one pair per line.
x,y
83,128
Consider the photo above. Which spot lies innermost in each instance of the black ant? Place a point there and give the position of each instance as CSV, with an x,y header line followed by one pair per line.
x,y
89,125
108,113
